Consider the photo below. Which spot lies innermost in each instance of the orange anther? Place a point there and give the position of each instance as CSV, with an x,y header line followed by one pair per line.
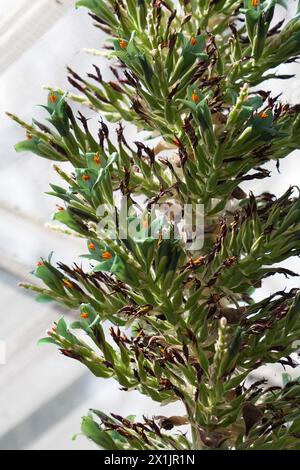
x,y
106,255
52,98
97,159
68,283
195,98
123,44
264,115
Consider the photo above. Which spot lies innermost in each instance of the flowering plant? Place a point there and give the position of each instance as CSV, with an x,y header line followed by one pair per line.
x,y
174,322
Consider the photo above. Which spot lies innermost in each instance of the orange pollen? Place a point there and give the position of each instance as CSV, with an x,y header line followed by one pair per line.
x,y
264,115
86,177
68,283
53,98
60,208
123,44
198,261
195,98
29,136
84,315
97,159
54,328
194,41
176,142
39,264
106,255
255,3
92,247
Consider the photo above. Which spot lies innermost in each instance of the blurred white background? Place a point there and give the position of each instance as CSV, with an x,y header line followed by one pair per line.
x,y
42,395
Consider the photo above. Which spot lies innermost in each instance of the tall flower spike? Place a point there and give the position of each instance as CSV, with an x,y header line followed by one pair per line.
x,y
177,318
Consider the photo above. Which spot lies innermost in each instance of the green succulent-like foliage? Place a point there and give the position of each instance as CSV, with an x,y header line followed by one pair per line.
x,y
184,324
